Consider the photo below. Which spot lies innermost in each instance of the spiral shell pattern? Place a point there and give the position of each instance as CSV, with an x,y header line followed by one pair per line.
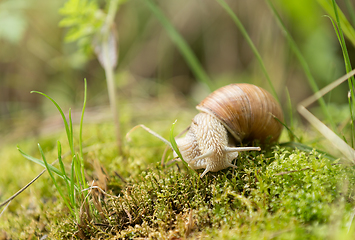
x,y
247,111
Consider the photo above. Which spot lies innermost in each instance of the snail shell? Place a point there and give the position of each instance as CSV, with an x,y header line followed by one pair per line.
x,y
248,112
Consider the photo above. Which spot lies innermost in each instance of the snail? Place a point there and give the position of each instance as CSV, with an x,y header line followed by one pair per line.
x,y
228,116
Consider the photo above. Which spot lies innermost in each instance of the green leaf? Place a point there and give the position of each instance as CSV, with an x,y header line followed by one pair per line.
x,y
83,17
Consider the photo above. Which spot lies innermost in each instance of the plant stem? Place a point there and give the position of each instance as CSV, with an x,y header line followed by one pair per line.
x,y
108,66
109,72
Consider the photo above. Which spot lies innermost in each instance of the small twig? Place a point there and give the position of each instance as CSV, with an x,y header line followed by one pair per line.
x,y
34,179
5,208
338,142
25,187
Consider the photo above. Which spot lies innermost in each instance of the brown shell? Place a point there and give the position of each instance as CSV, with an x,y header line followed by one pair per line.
x,y
246,111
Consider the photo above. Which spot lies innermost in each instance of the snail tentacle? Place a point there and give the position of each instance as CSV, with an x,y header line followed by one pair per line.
x,y
241,149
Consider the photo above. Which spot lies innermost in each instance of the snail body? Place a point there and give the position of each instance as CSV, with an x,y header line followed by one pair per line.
x,y
229,116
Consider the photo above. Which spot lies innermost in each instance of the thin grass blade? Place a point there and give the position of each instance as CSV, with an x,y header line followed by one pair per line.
x,y
176,149
81,155
71,132
250,42
303,63
290,114
347,28
72,183
40,162
289,130
184,48
61,113
54,180
348,66
59,147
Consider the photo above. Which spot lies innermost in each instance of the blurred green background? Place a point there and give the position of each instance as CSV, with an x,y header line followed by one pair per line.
x,y
34,56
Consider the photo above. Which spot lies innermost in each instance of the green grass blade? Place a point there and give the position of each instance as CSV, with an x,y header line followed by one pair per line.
x,y
184,48
78,171
67,179
55,181
342,40
289,106
352,128
81,156
176,149
59,147
290,132
71,134
61,113
346,26
40,162
350,99
250,42
72,183
303,63
290,128
78,177
347,62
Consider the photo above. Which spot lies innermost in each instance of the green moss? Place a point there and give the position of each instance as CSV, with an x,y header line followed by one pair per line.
x,y
276,193
254,202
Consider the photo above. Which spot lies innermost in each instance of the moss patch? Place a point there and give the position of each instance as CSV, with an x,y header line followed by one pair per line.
x,y
283,194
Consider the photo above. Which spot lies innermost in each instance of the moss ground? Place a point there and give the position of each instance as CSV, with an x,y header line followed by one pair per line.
x,y
278,193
